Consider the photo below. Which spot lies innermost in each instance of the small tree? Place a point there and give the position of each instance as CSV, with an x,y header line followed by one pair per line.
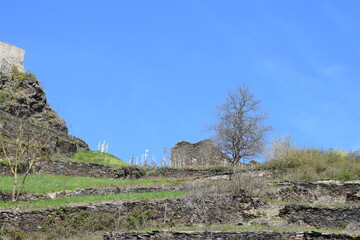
x,y
22,151
282,154
240,131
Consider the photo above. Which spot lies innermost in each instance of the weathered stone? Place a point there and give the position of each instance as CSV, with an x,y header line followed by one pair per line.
x,y
318,192
23,96
201,153
11,56
321,217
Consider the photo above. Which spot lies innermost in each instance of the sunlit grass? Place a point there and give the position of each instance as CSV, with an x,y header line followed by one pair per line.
x,y
50,203
43,183
98,157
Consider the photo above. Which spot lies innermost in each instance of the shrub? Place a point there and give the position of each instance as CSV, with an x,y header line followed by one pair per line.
x,y
288,161
137,219
69,223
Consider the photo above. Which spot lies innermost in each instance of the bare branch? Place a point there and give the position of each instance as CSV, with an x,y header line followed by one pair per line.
x,y
240,131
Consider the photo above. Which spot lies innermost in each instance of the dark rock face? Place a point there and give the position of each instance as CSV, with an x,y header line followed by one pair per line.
x,y
21,95
58,141
201,153
321,217
23,104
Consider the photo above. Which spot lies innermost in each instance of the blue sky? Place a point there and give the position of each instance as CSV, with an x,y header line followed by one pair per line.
x,y
148,74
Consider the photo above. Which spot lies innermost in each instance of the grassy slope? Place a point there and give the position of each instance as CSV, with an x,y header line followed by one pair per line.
x,y
42,183
86,199
98,157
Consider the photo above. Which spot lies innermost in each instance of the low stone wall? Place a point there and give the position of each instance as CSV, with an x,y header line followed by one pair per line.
x,y
209,209
228,235
68,168
187,172
319,217
320,191
93,191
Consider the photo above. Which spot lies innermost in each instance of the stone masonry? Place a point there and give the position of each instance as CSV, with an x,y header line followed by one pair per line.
x,y
201,153
11,56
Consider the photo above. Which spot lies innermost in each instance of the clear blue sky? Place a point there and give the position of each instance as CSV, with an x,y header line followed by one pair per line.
x,y
148,74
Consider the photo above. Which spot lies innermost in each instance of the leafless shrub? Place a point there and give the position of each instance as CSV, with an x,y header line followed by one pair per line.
x,y
241,183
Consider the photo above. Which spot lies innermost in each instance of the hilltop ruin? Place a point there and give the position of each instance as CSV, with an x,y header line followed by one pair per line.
x,y
10,57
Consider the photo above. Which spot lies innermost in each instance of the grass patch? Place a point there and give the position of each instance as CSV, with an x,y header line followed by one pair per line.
x,y
50,203
43,183
98,158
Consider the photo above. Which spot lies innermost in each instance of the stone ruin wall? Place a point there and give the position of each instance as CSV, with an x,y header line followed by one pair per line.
x,y
11,56
201,153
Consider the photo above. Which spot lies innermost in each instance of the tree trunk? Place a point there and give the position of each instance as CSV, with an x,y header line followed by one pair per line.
x,y
14,188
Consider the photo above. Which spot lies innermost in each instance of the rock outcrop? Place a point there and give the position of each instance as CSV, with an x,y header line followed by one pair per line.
x,y
22,95
201,153
23,104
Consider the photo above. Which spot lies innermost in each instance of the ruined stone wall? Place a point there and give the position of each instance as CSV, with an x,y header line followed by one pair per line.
x,y
201,153
11,56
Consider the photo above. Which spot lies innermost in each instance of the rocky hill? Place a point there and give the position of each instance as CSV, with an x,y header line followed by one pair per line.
x,y
22,96
23,104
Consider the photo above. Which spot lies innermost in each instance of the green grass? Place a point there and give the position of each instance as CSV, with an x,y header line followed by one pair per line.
x,y
42,183
50,203
98,157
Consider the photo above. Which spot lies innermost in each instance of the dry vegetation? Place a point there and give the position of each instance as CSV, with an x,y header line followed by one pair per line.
x,y
292,163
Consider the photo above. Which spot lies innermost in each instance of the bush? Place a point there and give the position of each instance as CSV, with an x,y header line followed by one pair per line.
x,y
293,163
240,183
8,233
137,219
71,223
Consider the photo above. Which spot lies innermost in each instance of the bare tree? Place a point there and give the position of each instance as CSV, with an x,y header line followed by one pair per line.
x,y
240,131
22,151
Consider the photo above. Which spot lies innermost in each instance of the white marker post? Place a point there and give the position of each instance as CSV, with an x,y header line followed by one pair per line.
x,y
103,147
